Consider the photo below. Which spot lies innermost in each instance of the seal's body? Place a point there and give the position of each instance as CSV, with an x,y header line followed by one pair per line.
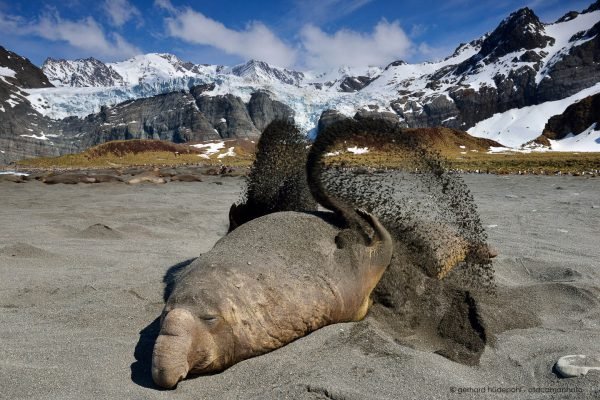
x,y
267,283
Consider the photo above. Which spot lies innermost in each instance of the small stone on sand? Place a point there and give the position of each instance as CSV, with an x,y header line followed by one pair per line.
x,y
576,365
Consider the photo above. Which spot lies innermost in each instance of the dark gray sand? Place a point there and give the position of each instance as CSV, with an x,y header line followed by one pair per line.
x,y
81,284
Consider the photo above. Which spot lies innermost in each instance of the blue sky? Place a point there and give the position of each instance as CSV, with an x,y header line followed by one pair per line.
x,y
292,33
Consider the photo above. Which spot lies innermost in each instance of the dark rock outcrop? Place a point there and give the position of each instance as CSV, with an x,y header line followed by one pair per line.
x,y
575,119
354,83
179,117
330,117
172,116
395,64
470,106
568,16
594,7
27,75
575,71
437,111
263,110
376,115
228,114
198,90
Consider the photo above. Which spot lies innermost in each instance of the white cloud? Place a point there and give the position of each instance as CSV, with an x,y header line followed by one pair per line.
x,y
121,11
165,4
320,12
9,23
418,30
85,34
256,41
387,42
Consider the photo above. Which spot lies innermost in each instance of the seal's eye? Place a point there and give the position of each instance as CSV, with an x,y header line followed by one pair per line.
x,y
209,318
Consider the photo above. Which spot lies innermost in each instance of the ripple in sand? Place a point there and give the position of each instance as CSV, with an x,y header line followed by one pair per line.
x,y
24,250
99,231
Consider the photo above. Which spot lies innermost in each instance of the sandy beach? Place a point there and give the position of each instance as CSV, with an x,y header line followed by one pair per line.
x,y
83,271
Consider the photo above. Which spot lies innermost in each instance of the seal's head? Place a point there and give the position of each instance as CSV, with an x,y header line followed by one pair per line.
x,y
190,344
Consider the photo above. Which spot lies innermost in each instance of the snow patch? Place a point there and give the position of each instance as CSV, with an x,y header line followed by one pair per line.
x,y
211,148
12,172
562,32
5,71
11,102
496,150
229,153
588,140
42,136
521,125
358,150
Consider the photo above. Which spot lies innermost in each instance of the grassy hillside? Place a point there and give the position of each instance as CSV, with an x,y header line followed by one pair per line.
x,y
462,152
147,152
467,153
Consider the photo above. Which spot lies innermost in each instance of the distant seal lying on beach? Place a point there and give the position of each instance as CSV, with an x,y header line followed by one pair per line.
x,y
147,176
186,178
68,179
15,178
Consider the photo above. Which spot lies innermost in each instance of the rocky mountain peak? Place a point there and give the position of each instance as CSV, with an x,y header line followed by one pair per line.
x,y
257,71
176,62
594,7
81,73
521,30
20,71
568,16
396,63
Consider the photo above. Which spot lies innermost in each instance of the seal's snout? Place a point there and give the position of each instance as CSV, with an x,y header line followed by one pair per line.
x,y
168,378
170,356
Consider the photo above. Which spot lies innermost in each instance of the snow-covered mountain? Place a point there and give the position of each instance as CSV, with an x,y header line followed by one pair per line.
x,y
522,63
504,86
86,72
259,72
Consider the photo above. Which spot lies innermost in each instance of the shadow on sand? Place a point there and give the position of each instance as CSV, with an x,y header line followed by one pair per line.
x,y
141,369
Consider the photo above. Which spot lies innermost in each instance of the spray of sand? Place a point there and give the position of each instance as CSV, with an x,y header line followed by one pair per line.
x,y
429,296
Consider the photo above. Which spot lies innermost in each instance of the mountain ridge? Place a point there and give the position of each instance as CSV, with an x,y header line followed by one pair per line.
x,y
523,64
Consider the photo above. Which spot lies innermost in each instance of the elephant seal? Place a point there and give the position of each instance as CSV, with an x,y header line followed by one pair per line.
x,y
270,281
186,178
15,178
152,176
281,274
105,178
68,179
